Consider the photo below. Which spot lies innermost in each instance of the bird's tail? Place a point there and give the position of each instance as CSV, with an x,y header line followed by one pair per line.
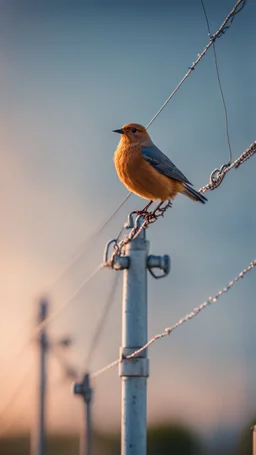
x,y
193,194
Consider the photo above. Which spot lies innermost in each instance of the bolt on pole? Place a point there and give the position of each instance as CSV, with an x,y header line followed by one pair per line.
x,y
134,372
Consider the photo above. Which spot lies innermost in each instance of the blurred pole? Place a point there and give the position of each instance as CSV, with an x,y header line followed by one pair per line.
x,y
254,440
83,388
39,448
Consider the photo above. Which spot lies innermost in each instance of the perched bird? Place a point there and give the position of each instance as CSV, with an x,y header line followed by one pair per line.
x,y
146,171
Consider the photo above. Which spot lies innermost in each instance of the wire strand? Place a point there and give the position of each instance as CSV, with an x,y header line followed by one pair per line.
x,y
15,393
68,301
99,327
86,246
223,28
219,83
43,324
181,321
215,181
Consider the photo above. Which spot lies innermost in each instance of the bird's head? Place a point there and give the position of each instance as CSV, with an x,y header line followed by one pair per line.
x,y
134,134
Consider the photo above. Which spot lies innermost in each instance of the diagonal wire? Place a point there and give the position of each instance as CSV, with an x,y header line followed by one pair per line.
x,y
86,246
218,175
43,324
20,385
219,82
98,330
68,301
226,24
82,250
223,28
186,318
215,181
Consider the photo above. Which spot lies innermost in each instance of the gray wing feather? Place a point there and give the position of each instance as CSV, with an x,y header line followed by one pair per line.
x,y
162,164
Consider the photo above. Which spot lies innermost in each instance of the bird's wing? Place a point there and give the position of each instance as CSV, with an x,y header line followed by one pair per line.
x,y
161,163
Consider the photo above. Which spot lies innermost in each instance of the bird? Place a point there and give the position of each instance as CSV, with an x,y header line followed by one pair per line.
x,y
148,172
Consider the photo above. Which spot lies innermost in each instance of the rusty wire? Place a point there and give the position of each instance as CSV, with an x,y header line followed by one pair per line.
x,y
215,180
223,28
181,321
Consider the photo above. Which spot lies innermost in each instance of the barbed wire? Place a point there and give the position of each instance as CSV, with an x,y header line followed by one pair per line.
x,y
219,81
221,31
225,25
215,180
181,321
218,175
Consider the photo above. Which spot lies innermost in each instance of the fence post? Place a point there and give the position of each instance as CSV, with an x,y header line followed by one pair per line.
x,y
39,442
134,372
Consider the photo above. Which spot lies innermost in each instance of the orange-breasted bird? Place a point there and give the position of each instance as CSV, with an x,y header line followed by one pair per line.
x,y
146,171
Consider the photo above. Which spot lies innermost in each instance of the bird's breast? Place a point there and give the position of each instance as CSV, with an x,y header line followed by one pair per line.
x,y
140,177
127,160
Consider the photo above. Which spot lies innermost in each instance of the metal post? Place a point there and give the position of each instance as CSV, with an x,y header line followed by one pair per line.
x,y
134,372
83,388
39,448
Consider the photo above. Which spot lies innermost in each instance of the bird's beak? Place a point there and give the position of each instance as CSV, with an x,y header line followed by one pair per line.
x,y
119,131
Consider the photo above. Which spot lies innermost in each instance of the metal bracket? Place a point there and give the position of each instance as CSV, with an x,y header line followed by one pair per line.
x,y
83,388
118,262
136,366
159,262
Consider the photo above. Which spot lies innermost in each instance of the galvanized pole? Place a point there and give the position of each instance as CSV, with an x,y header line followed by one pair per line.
x,y
84,389
43,344
135,371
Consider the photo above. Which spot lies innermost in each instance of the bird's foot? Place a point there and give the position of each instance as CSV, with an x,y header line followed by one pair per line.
x,y
143,213
160,211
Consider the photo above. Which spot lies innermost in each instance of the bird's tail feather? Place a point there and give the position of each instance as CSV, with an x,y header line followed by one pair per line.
x,y
193,194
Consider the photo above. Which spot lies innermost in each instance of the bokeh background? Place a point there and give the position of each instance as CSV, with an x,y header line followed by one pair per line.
x,y
71,72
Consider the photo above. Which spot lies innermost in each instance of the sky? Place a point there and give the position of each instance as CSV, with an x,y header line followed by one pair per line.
x,y
71,72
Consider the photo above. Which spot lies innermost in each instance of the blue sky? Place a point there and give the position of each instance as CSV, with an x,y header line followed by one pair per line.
x,y
71,73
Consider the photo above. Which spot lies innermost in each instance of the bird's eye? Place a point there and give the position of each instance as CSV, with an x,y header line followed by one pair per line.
x,y
134,130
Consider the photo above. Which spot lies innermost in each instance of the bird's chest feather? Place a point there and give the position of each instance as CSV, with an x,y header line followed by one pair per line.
x,y
127,161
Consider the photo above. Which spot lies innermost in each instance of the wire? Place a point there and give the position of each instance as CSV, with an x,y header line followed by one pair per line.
x,y
16,357
86,245
4,428
218,175
46,321
68,301
16,392
215,180
98,330
223,28
186,318
219,82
